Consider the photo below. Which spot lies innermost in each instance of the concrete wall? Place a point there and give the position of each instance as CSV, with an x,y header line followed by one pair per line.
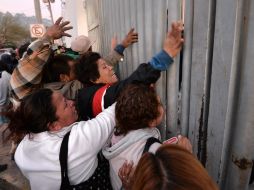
x,y
75,12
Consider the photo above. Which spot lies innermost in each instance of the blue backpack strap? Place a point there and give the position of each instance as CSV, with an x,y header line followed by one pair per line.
x,y
149,142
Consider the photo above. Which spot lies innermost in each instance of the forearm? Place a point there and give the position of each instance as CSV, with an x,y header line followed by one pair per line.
x,y
36,46
115,56
145,74
98,129
161,61
28,72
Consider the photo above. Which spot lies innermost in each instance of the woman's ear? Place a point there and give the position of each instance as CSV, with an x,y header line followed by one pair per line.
x,y
55,126
153,123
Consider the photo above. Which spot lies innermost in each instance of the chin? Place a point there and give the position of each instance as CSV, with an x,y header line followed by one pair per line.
x,y
115,80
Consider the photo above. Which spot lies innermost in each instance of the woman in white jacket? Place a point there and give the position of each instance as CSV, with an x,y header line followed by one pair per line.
x,y
47,120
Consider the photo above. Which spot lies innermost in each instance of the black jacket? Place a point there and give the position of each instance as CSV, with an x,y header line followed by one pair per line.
x,y
144,74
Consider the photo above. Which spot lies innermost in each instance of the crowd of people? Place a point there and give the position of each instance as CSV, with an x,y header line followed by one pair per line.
x,y
76,125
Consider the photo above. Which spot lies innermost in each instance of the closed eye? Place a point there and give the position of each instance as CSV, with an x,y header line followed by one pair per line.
x,y
65,103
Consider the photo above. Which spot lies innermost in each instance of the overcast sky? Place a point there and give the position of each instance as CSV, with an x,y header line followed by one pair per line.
x,y
27,7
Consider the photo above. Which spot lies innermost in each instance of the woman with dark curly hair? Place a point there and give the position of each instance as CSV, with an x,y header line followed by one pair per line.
x,y
138,112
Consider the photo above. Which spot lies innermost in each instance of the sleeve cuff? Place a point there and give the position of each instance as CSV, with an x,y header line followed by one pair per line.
x,y
161,61
39,43
119,49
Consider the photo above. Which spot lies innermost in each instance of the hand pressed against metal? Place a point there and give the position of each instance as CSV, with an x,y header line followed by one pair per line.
x,y
173,42
59,29
131,37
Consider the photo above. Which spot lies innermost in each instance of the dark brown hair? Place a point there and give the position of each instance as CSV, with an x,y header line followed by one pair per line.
x,y
33,115
56,66
86,68
136,106
171,167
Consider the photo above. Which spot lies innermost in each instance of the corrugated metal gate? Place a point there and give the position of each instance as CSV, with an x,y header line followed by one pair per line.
x,y
208,93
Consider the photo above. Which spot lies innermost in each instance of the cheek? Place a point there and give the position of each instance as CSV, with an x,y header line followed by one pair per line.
x,y
73,76
161,112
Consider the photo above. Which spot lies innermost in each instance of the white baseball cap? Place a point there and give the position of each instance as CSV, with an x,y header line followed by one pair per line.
x,y
81,44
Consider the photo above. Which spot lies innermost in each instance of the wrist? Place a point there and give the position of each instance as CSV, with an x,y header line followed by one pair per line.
x,y
48,38
124,44
170,52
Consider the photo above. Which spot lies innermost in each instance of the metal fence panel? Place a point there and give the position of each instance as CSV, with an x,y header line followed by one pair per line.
x,y
198,64
237,154
172,91
222,63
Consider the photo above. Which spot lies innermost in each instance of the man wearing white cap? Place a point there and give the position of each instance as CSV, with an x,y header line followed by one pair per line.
x,y
83,44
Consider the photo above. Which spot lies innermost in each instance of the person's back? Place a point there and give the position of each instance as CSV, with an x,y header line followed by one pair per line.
x,y
138,112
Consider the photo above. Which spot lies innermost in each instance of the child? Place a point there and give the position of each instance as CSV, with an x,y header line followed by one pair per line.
x,y
138,112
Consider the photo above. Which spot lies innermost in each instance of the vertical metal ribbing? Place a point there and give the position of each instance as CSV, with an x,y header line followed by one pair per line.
x,y
187,57
233,92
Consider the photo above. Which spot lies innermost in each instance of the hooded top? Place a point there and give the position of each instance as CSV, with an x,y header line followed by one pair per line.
x,y
130,148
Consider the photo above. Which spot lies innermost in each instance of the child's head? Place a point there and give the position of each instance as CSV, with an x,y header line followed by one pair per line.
x,y
137,107
171,167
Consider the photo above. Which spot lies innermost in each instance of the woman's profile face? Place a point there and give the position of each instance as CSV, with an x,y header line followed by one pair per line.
x,y
65,109
107,73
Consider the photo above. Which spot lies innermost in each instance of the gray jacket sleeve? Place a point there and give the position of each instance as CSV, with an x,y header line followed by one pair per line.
x,y
113,58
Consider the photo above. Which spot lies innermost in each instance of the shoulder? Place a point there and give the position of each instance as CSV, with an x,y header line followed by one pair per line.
x,y
6,74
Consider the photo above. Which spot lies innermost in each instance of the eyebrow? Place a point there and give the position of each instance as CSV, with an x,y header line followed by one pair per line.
x,y
103,63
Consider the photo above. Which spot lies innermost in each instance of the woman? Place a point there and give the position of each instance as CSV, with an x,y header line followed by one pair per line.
x,y
171,167
102,86
46,118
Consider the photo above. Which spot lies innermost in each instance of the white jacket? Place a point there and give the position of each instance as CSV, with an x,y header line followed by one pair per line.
x,y
38,157
129,148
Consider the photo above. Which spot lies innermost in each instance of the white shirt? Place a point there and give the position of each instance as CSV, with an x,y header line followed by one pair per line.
x,y
38,157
